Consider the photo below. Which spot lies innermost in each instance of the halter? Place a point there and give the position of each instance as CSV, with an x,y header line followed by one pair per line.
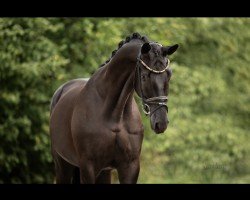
x,y
160,100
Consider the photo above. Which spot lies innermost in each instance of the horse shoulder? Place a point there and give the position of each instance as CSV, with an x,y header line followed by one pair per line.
x,y
133,122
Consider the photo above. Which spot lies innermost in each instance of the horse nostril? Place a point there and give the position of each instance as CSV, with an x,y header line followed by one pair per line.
x,y
157,126
167,121
160,127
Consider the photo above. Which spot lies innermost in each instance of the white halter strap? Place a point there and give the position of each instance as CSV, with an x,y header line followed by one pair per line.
x,y
152,70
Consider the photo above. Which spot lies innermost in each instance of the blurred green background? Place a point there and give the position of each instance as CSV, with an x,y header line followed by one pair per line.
x,y
207,140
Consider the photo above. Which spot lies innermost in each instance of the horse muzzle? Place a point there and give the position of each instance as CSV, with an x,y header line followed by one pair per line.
x,y
159,121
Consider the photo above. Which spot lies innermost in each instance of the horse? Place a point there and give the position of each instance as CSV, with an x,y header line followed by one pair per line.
x,y
96,126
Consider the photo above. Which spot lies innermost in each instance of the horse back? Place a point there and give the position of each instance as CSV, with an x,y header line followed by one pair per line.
x,y
64,88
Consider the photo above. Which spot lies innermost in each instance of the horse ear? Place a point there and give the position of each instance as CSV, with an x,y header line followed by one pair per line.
x,y
145,48
169,49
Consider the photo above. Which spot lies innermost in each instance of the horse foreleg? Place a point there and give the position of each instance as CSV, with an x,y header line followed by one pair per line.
x,y
128,173
64,170
104,177
87,173
76,176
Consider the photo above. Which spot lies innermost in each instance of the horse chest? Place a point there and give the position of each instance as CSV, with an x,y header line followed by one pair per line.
x,y
128,146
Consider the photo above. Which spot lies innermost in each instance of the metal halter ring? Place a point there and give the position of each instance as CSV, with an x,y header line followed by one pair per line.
x,y
147,108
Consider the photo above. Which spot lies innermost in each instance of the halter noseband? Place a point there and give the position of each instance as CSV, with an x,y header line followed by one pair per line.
x,y
160,100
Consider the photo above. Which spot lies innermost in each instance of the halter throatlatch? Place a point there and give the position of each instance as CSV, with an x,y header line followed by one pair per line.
x,y
160,100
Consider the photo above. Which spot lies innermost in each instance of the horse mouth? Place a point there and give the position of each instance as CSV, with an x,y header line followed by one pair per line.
x,y
159,128
159,131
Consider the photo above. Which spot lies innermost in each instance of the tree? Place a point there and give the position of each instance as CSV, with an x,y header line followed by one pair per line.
x,y
207,138
30,62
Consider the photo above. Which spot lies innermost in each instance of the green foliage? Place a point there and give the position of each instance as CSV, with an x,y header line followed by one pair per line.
x,y
207,138
30,63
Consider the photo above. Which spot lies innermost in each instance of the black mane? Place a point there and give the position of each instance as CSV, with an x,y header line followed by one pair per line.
x,y
128,39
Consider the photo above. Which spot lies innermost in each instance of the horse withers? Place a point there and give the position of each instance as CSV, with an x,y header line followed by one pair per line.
x,y
95,125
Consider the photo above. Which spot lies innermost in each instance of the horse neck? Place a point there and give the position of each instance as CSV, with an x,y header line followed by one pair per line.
x,y
117,85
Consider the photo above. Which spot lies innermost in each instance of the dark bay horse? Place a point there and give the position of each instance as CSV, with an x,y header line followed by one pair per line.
x,y
96,126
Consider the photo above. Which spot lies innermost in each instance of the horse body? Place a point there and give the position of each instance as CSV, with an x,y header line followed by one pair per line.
x,y
95,127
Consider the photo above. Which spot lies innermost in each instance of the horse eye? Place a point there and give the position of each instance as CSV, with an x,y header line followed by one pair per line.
x,y
143,77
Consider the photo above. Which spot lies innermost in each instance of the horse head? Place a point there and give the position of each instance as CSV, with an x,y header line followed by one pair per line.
x,y
153,75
